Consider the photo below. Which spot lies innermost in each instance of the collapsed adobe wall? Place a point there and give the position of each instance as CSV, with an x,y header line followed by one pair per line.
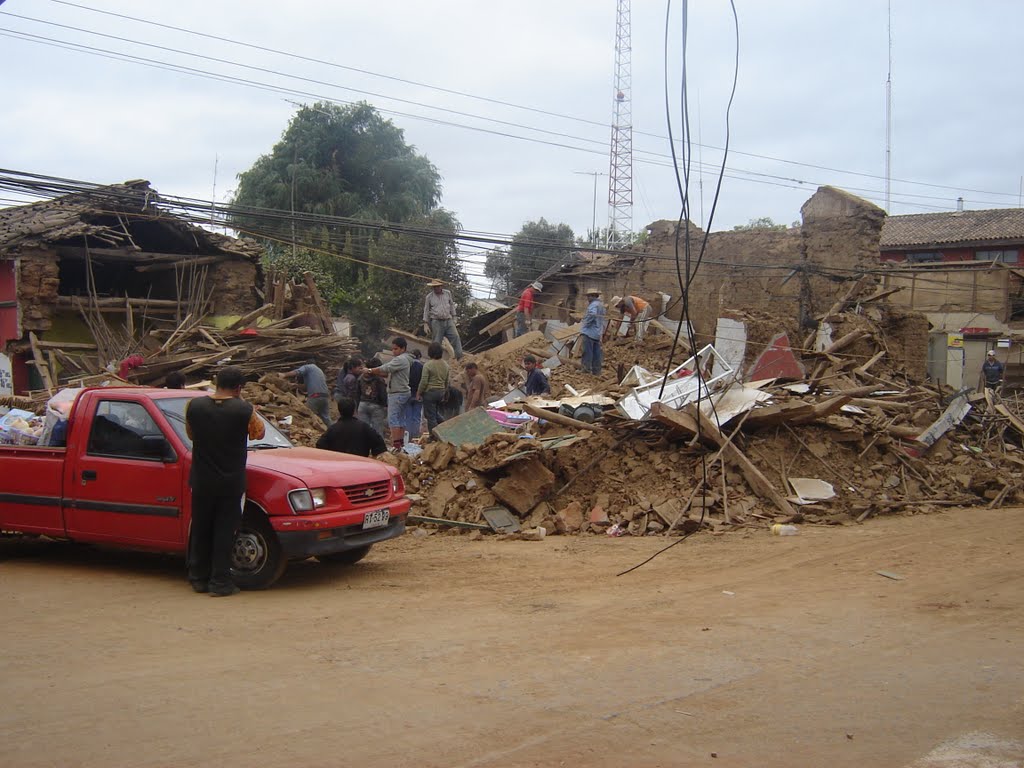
x,y
770,271
735,272
234,281
38,285
841,234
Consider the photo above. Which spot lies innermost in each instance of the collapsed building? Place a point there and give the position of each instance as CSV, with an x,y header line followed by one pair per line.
x,y
88,269
96,276
828,383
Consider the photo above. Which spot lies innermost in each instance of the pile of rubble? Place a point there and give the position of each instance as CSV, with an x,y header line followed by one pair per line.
x,y
280,402
830,430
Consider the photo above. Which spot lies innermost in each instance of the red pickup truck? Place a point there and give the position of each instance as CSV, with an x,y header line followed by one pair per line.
x,y
122,480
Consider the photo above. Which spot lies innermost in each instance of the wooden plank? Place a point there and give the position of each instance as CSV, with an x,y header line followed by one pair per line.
x,y
41,366
119,302
279,295
169,265
881,295
754,477
1016,423
318,302
874,359
675,420
499,325
558,418
66,345
246,319
885,405
842,342
208,360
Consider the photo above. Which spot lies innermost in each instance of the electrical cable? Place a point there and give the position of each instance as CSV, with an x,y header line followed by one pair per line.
x,y
497,102
128,58
684,189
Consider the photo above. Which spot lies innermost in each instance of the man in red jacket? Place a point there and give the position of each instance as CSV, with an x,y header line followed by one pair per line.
x,y
524,310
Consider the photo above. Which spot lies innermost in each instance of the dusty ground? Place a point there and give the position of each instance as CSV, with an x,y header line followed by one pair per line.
x,y
442,651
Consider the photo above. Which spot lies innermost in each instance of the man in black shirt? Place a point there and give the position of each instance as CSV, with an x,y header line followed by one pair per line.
x,y
220,426
350,435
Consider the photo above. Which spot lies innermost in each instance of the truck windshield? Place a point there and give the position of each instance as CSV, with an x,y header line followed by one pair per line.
x,y
174,409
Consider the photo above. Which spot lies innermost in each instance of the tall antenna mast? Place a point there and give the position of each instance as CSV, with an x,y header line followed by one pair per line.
x,y
620,174
888,121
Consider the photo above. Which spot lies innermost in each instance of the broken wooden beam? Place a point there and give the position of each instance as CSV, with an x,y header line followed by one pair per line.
x,y
318,302
248,318
558,418
754,477
499,325
41,366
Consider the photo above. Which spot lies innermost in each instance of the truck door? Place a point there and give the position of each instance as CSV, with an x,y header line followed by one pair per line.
x,y
126,481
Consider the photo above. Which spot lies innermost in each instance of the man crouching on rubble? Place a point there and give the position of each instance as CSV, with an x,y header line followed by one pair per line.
x,y
536,381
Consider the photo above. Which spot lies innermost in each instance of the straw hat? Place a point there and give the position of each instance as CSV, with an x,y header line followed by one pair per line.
x,y
435,284
616,300
592,292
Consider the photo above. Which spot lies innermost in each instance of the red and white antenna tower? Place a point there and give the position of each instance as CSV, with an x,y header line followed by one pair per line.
x,y
620,174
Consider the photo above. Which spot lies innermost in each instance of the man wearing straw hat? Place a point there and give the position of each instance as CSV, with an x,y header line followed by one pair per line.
x,y
636,309
591,330
439,316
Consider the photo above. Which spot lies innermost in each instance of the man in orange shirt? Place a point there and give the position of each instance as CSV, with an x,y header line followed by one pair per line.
x,y
524,310
636,309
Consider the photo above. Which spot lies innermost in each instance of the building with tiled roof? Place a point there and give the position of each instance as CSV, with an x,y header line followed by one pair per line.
x,y
990,235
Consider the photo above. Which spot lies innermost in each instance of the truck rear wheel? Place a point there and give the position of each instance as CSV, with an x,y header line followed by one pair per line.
x,y
256,557
348,557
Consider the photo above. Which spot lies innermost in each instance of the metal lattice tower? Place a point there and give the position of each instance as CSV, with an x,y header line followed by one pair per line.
x,y
620,174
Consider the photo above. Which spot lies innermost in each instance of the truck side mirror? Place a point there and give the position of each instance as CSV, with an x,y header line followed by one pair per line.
x,y
158,447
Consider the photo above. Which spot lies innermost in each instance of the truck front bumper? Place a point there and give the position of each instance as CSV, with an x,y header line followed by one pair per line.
x,y
307,536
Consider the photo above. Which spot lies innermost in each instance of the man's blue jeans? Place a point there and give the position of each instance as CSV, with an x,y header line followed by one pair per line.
x,y
593,355
445,329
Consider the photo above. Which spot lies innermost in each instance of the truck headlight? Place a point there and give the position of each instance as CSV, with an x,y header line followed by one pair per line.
x,y
397,485
306,500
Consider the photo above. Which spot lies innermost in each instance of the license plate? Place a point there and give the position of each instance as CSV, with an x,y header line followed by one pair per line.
x,y
376,519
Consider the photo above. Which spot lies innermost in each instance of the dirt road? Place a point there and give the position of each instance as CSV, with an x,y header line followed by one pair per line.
x,y
732,650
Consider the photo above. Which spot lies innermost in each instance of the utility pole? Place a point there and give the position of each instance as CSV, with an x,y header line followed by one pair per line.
x,y
593,226
213,199
888,121
295,162
620,174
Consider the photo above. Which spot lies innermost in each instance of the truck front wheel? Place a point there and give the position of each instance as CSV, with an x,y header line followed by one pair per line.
x,y
256,557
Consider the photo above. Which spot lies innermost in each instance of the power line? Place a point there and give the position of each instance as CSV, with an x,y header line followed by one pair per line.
x,y
120,56
486,99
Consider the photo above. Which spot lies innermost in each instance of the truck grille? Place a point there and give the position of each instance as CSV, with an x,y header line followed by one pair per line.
x,y
367,493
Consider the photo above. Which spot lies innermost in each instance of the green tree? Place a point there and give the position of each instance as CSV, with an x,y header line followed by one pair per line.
x,y
336,161
599,239
391,296
498,269
537,247
764,223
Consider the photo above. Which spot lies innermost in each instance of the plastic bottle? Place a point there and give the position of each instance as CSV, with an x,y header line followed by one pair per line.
x,y
784,530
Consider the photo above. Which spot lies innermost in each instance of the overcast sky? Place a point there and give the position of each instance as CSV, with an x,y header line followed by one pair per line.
x,y
809,107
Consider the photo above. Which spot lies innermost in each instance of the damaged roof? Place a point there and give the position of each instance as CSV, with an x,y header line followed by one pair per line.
x,y
959,227
108,214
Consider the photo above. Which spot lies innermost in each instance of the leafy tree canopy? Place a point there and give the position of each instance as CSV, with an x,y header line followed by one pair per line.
x,y
341,161
389,295
765,222
537,247
349,162
599,238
